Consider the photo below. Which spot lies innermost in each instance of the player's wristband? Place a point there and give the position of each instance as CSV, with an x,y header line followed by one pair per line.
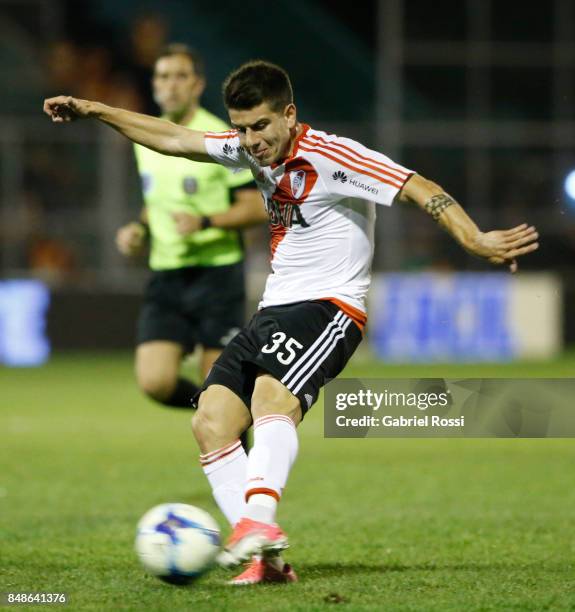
x,y
206,223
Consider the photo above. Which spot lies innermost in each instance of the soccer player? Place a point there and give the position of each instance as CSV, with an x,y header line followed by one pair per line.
x,y
319,191
196,292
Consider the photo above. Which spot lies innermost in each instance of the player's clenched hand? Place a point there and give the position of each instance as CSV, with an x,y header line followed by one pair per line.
x,y
131,239
187,224
66,108
504,246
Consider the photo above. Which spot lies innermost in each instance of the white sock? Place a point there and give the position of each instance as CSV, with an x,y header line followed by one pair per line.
x,y
226,472
269,463
262,508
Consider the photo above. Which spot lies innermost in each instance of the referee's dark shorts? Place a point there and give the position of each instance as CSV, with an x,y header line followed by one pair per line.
x,y
195,305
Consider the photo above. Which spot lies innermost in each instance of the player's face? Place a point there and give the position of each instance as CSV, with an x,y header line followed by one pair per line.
x,y
266,134
176,85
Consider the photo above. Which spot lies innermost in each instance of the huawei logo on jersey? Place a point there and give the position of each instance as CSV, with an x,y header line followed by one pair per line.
x,y
360,185
297,183
339,176
228,149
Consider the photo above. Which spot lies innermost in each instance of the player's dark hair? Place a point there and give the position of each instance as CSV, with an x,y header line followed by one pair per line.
x,y
183,49
256,82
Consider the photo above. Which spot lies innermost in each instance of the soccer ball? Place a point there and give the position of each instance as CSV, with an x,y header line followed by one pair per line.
x,y
177,542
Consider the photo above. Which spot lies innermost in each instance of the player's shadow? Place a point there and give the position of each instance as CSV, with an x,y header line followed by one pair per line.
x,y
326,570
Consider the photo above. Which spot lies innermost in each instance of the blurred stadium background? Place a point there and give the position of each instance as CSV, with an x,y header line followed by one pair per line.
x,y
478,95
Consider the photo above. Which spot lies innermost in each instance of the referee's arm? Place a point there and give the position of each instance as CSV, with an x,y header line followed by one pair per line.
x,y
247,209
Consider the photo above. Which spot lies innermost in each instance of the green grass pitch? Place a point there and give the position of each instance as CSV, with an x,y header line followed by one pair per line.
x,y
375,524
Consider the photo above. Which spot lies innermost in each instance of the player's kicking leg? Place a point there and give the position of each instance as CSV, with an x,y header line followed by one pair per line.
x,y
276,412
221,416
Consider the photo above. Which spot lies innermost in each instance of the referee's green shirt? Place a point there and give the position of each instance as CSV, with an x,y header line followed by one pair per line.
x,y
175,184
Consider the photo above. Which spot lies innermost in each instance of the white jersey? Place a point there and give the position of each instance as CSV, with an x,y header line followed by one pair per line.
x,y
320,202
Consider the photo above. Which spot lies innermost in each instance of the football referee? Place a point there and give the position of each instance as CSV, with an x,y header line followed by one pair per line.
x,y
195,296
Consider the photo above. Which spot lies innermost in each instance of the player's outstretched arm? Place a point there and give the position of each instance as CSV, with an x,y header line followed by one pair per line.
x,y
498,247
157,134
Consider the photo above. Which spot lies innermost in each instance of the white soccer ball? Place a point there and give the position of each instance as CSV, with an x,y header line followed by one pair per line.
x,y
177,542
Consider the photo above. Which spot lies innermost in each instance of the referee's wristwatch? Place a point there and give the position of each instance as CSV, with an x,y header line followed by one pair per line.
x,y
206,223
